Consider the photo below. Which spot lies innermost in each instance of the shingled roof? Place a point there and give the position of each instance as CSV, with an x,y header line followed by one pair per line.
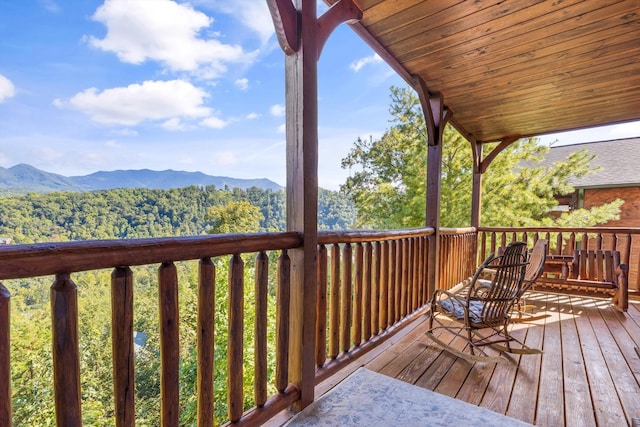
x,y
619,162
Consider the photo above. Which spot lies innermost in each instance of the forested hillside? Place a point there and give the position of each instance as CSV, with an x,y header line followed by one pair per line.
x,y
137,213
124,214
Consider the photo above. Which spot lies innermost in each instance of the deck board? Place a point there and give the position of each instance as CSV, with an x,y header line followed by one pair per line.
x,y
589,374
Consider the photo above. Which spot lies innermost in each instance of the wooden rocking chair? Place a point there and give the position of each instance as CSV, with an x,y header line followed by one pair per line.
x,y
479,307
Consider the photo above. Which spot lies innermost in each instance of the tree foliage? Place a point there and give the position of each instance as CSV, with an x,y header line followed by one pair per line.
x,y
134,213
388,178
139,213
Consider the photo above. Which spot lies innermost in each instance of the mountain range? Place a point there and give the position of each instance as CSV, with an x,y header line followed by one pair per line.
x,y
23,178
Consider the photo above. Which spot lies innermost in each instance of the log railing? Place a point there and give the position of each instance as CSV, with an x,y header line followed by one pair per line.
x,y
563,241
62,260
371,284
458,247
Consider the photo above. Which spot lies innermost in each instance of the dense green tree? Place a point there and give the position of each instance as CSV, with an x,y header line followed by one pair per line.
x,y
234,217
388,178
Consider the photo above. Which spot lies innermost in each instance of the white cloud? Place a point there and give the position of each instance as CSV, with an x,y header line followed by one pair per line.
x,y
125,132
174,124
7,90
253,14
50,6
243,84
112,143
252,116
164,31
282,128
151,100
373,59
277,110
214,123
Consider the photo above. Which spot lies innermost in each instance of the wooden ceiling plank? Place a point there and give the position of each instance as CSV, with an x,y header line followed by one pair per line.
x,y
523,20
535,43
547,67
511,90
400,19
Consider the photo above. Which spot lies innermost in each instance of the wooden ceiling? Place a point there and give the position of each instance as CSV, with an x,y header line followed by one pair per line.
x,y
515,67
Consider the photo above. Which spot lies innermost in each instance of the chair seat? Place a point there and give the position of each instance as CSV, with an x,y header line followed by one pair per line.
x,y
452,305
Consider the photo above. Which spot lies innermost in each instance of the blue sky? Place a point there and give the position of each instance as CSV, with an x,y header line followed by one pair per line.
x,y
158,84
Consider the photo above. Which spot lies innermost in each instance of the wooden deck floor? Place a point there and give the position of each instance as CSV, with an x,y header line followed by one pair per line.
x,y
588,375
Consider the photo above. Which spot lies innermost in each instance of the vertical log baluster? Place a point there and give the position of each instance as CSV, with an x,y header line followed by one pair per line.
x,y
283,298
404,284
397,281
235,353
357,296
366,292
66,358
393,269
571,244
377,282
420,242
122,345
621,301
403,258
321,310
493,243
334,325
626,258
559,243
206,341
483,247
427,247
260,328
346,299
598,242
384,286
169,345
5,357
547,236
584,245
414,274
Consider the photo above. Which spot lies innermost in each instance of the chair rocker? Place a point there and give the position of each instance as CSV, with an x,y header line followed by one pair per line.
x,y
481,307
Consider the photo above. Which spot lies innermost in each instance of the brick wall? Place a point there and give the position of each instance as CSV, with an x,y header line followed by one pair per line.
x,y
629,217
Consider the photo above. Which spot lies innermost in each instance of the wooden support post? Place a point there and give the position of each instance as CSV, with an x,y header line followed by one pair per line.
x,y
436,117
301,36
476,189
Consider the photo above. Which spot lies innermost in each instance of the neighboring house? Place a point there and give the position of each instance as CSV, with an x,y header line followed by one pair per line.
x,y
617,175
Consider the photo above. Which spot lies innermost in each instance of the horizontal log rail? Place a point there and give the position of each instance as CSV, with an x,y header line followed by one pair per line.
x,y
62,260
564,241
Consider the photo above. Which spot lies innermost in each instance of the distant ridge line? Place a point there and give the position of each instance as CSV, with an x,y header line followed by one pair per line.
x,y
24,178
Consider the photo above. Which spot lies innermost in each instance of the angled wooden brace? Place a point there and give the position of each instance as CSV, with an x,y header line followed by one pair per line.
x,y
342,11
286,21
436,116
484,164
